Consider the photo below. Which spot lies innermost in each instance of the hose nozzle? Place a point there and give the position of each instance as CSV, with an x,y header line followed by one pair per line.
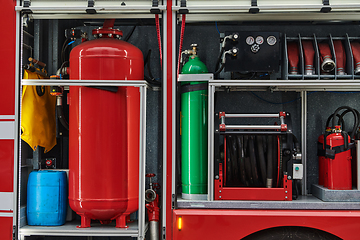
x,y
309,54
327,64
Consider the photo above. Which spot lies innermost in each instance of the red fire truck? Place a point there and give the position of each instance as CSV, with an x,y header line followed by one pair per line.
x,y
180,119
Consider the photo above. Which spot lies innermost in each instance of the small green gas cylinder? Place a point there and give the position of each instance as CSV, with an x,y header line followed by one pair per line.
x,y
194,110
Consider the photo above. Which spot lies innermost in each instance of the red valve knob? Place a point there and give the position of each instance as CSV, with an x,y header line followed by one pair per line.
x,y
48,162
150,175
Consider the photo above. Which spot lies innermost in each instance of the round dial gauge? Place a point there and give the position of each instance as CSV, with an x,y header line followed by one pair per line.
x,y
259,40
250,40
271,40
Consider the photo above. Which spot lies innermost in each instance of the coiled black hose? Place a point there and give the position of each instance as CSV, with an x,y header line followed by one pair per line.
x,y
262,163
240,140
253,161
270,160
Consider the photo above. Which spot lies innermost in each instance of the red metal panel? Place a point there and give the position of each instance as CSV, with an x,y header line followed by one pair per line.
x,y
251,193
8,50
6,227
236,224
7,165
169,109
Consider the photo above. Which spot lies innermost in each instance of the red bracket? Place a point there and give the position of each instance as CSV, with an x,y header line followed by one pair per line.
x,y
221,114
282,114
283,127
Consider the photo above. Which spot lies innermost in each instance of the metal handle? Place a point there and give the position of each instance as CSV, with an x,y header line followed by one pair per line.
x,y
253,115
253,127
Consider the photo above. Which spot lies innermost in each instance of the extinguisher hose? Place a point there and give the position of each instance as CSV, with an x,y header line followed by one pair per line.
x,y
340,121
181,43
358,115
356,119
157,22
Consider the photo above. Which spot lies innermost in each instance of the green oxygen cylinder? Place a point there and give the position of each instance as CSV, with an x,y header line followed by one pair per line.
x,y
194,122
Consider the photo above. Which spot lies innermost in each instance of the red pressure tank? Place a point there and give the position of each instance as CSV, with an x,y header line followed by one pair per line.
x,y
104,129
336,170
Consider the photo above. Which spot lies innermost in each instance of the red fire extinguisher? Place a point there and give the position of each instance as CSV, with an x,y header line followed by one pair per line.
x,y
153,209
335,154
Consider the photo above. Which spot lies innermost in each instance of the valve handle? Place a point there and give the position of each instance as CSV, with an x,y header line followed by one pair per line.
x,y
156,186
150,175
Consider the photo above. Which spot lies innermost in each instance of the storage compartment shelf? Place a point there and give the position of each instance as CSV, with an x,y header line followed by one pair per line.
x,y
70,229
291,85
302,203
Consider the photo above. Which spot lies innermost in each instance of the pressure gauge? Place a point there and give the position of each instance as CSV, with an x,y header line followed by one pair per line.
x,y
259,40
271,40
250,40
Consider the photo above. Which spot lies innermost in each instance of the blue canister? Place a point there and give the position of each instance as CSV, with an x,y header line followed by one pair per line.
x,y
47,198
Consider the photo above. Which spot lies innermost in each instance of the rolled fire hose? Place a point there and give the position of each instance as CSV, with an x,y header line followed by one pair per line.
x,y
275,160
293,55
228,161
327,64
241,160
247,162
355,47
262,163
270,160
253,161
235,159
309,54
340,57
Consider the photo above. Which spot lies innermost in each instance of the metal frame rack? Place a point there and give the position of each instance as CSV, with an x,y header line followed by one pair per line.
x,y
80,10
200,11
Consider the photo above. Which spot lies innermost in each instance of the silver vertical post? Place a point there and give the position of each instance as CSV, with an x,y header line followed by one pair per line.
x,y
18,63
211,142
142,165
164,91
303,137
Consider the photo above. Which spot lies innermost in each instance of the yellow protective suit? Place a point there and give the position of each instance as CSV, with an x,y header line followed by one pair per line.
x,y
38,123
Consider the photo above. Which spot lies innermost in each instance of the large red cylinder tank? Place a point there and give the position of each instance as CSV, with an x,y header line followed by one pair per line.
x,y
104,130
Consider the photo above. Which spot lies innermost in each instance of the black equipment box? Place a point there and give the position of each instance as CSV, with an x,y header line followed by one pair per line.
x,y
257,52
